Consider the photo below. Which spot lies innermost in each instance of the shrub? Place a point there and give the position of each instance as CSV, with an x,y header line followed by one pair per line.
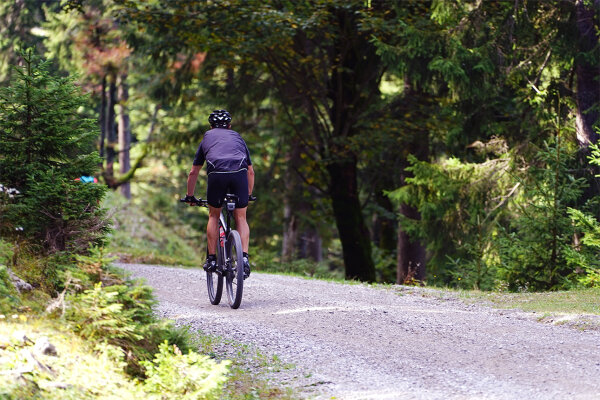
x,y
122,315
191,376
587,270
536,247
459,205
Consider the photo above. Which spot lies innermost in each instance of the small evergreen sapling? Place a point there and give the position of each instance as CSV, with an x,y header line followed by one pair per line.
x,y
45,144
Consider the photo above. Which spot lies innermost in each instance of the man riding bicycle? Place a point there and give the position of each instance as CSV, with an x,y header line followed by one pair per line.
x,y
229,170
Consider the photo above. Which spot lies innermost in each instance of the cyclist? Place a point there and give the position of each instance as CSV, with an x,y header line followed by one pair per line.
x,y
229,170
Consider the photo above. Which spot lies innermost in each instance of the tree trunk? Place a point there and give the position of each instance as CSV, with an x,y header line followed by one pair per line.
x,y
300,238
588,75
124,135
356,243
383,231
310,244
111,134
290,231
103,116
411,254
290,199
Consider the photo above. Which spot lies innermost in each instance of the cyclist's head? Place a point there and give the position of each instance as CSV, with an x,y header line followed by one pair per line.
x,y
219,119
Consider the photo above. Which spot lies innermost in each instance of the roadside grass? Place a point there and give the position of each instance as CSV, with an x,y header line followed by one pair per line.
x,y
252,374
576,308
576,301
269,262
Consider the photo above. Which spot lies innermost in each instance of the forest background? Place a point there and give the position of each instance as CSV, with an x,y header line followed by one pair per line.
x,y
440,142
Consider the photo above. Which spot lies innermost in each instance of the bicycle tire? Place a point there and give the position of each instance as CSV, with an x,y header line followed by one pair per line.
x,y
234,278
215,292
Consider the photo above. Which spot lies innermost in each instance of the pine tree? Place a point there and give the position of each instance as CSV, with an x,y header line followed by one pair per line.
x,y
45,145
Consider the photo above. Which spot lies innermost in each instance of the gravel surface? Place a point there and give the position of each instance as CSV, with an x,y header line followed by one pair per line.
x,y
359,342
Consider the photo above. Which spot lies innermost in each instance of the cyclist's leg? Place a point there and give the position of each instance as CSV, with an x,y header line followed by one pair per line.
x,y
215,192
239,186
242,227
212,229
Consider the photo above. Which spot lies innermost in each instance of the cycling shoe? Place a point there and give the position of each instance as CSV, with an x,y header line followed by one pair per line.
x,y
246,268
210,266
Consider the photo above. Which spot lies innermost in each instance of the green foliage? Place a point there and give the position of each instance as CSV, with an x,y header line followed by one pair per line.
x,y
120,314
80,371
459,204
44,145
589,229
98,314
122,339
535,248
270,262
47,273
9,298
463,72
184,376
147,232
18,20
384,265
6,252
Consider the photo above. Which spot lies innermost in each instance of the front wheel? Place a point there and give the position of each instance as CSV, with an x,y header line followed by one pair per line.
x,y
234,277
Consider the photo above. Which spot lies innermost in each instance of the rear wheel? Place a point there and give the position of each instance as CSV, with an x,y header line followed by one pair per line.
x,y
214,280
234,278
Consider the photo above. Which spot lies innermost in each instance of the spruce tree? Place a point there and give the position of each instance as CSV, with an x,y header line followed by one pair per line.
x,y
45,145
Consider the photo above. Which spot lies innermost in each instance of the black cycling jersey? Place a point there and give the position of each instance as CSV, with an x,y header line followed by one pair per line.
x,y
224,150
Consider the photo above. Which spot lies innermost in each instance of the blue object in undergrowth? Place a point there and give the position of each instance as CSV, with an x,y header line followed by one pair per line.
x,y
87,179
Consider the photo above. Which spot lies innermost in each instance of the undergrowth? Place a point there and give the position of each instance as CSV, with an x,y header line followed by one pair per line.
x,y
108,343
146,237
105,340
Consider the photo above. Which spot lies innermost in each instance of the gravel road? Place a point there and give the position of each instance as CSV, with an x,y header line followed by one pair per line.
x,y
359,342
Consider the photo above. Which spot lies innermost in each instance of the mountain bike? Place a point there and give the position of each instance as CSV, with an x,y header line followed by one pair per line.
x,y
230,262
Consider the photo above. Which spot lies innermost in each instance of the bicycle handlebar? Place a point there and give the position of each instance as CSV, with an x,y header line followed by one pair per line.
x,y
202,202
195,202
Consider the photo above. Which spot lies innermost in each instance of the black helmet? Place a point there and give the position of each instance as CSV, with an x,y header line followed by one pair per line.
x,y
219,119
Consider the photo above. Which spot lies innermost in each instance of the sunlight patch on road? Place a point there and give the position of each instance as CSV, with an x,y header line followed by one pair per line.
x,y
306,309
400,395
379,395
367,308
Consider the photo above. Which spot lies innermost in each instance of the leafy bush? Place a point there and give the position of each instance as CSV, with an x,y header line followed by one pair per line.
x,y
191,376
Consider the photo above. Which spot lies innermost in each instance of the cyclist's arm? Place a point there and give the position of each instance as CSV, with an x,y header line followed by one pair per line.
x,y
250,179
192,178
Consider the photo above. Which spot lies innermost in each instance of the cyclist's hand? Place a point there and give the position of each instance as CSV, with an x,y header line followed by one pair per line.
x,y
190,199
251,198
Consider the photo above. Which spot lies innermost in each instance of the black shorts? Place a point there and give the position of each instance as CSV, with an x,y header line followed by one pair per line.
x,y
222,183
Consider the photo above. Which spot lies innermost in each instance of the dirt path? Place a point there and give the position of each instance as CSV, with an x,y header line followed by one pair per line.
x,y
357,342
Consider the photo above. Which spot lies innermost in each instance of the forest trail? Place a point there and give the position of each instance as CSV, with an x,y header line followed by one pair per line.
x,y
358,342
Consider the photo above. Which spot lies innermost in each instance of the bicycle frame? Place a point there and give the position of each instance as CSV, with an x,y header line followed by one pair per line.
x,y
225,218
229,256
